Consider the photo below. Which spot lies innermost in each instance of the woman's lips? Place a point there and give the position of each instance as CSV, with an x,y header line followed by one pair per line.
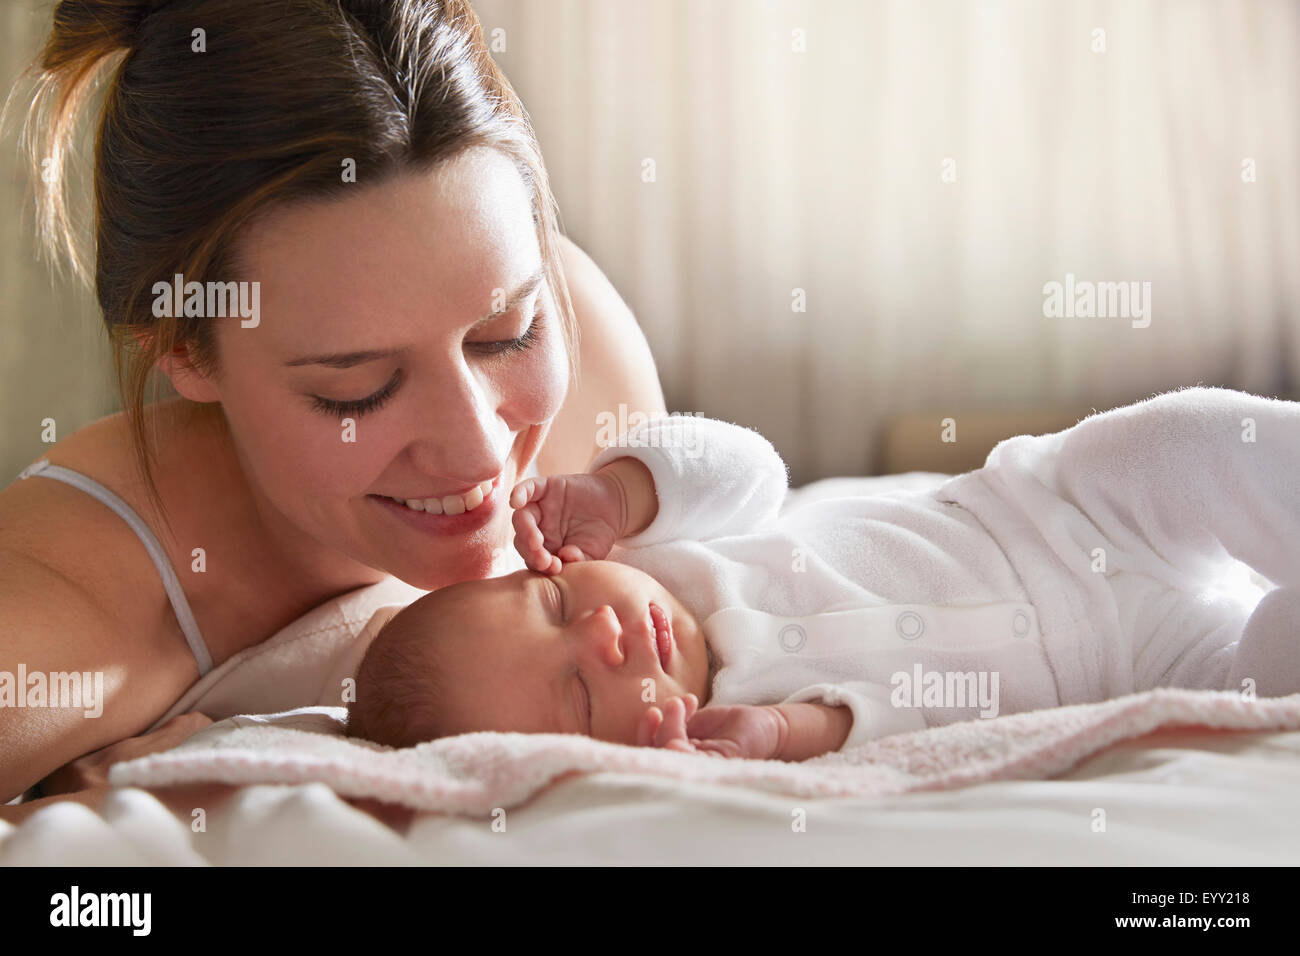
x,y
663,635
442,524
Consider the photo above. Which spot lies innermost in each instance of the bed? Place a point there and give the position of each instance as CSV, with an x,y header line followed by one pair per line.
x,y
1205,780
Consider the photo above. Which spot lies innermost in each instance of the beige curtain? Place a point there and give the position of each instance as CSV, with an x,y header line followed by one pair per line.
x,y
814,160
802,144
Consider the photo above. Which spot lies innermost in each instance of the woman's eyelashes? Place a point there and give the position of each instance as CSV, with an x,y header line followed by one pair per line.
x,y
514,346
342,408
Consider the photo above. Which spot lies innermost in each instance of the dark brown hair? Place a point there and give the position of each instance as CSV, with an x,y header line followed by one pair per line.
x,y
399,684
192,145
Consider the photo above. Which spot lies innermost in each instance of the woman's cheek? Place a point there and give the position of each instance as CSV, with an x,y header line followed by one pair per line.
x,y
325,458
552,378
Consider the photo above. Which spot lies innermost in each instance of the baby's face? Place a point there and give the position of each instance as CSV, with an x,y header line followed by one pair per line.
x,y
574,652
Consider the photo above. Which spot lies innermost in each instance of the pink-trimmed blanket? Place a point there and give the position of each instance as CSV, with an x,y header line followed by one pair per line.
x,y
474,774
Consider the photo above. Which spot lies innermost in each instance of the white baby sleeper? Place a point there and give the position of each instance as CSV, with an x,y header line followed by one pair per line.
x,y
910,607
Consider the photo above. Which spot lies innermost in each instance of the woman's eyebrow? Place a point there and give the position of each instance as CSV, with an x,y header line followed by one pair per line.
x,y
525,289
353,359
344,359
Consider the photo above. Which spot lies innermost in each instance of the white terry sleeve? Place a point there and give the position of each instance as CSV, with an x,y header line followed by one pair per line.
x,y
873,714
712,478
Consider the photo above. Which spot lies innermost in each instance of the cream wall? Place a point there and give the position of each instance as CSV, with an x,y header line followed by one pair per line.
x,y
54,359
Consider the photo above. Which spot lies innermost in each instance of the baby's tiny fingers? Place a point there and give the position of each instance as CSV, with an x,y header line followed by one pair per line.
x,y
536,559
528,491
674,725
522,493
525,525
649,725
706,747
681,746
571,553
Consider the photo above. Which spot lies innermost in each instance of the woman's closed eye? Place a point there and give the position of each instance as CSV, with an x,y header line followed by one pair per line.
x,y
513,346
341,408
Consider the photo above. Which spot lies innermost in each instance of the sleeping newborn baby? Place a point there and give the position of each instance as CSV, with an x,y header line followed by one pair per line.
x,y
1152,545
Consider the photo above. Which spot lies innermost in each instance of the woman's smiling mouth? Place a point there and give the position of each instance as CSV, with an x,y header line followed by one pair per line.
x,y
451,504
448,515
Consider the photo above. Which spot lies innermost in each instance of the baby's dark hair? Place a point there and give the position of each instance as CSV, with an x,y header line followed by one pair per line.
x,y
399,687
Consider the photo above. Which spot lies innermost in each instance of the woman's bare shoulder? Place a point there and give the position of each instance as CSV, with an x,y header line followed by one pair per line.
x,y
207,504
34,514
617,367
82,541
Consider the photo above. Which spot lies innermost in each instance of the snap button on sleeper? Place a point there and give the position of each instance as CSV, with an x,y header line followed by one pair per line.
x,y
910,625
1020,624
792,638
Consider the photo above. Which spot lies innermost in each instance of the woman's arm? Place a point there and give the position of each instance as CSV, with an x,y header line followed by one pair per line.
x,y
85,780
50,624
616,367
57,619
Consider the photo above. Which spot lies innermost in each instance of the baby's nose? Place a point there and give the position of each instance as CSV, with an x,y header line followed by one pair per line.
x,y
608,634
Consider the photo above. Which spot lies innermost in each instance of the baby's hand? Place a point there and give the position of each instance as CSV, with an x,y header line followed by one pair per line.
x,y
565,518
729,730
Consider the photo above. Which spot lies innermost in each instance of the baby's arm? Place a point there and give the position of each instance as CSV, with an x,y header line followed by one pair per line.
x,y
669,478
785,731
693,477
813,729
636,488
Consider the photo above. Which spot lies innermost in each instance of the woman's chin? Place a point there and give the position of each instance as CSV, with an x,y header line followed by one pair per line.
x,y
431,571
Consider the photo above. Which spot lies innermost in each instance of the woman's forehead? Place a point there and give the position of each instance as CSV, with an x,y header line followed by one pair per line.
x,y
404,246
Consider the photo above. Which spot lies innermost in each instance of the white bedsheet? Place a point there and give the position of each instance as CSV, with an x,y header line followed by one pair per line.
x,y
1181,798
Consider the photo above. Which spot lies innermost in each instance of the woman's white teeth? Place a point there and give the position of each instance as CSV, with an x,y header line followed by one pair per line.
x,y
451,504
474,498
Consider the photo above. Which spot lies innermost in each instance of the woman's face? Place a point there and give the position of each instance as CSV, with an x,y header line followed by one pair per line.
x,y
394,308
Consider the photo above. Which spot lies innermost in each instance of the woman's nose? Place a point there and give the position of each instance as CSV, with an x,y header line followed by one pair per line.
x,y
464,436
603,636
